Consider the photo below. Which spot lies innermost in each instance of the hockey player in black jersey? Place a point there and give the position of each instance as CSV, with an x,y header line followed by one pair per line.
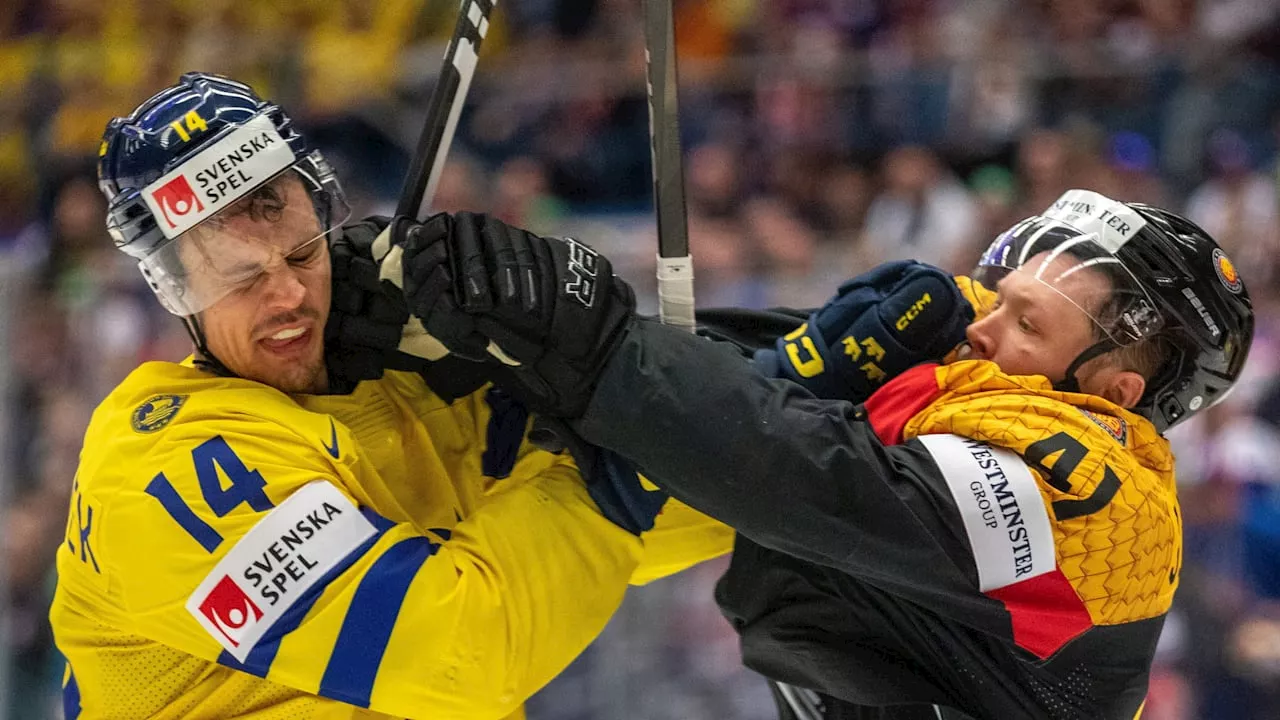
x,y
990,531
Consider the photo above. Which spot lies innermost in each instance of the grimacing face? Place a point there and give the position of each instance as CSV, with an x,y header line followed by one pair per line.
x,y
267,248
1034,329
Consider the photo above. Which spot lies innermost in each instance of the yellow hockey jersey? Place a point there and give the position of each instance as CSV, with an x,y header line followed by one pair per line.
x,y
1105,477
1111,488
235,552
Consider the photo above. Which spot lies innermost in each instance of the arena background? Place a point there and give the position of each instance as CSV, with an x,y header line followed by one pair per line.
x,y
822,136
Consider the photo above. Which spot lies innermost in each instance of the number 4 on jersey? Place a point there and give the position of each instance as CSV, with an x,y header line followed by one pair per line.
x,y
246,486
1059,476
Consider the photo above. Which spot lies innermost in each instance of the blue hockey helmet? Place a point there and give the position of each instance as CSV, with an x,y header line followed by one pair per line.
x,y
186,159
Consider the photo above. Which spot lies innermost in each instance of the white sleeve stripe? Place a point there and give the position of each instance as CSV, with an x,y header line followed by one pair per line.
x,y
1000,503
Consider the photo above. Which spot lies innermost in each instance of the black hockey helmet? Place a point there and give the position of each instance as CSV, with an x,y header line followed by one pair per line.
x,y
1209,317
1169,280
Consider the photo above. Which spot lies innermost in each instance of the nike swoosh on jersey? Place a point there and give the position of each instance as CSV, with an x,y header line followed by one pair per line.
x,y
332,446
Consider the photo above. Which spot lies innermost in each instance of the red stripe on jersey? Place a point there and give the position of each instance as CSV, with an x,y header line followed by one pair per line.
x,y
1046,612
893,405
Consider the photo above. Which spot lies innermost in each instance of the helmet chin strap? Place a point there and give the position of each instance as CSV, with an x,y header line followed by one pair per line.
x,y
205,359
1070,383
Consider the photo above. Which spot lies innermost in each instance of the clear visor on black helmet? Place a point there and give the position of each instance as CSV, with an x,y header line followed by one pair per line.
x,y
1078,265
282,220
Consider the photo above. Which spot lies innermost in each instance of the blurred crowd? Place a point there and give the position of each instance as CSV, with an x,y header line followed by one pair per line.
x,y
821,137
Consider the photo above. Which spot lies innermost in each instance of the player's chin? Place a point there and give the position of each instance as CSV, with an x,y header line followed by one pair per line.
x,y
296,373
307,379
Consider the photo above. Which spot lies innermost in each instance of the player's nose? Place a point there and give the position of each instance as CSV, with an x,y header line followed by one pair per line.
x,y
981,339
284,290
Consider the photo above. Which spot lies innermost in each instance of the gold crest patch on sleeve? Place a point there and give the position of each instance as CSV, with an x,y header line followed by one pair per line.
x,y
156,412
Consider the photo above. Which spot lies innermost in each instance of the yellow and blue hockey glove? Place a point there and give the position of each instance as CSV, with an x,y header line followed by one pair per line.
x,y
878,324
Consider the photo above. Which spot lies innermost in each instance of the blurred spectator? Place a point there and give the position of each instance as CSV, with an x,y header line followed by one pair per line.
x,y
28,545
787,246
845,192
1131,160
522,197
463,186
993,101
922,212
994,191
718,234
335,79
1042,169
1238,206
595,140
911,76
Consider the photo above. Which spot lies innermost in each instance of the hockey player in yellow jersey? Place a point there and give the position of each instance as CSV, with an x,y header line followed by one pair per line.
x,y
994,537
245,542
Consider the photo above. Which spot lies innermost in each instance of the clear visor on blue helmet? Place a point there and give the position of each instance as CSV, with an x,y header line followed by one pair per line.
x,y
1078,265
283,219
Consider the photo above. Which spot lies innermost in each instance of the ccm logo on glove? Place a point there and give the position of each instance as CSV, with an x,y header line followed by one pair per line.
x,y
912,312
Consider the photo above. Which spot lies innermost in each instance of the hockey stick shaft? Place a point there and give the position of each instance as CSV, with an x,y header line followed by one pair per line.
x,y
675,266
444,108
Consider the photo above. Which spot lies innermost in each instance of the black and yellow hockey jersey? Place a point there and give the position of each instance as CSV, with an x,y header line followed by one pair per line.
x,y
965,541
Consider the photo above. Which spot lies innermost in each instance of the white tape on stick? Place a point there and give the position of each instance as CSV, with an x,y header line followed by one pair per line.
x,y
675,291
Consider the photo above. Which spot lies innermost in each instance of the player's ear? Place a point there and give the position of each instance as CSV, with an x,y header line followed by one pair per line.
x,y
1123,387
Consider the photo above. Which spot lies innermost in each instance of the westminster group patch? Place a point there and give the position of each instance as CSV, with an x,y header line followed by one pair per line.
x,y
156,412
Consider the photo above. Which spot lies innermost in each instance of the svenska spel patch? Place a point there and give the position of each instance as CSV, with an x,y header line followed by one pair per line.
x,y
279,559
217,176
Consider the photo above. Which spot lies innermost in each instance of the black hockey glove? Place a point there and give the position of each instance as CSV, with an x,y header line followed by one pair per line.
x,y
368,321
878,324
549,309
